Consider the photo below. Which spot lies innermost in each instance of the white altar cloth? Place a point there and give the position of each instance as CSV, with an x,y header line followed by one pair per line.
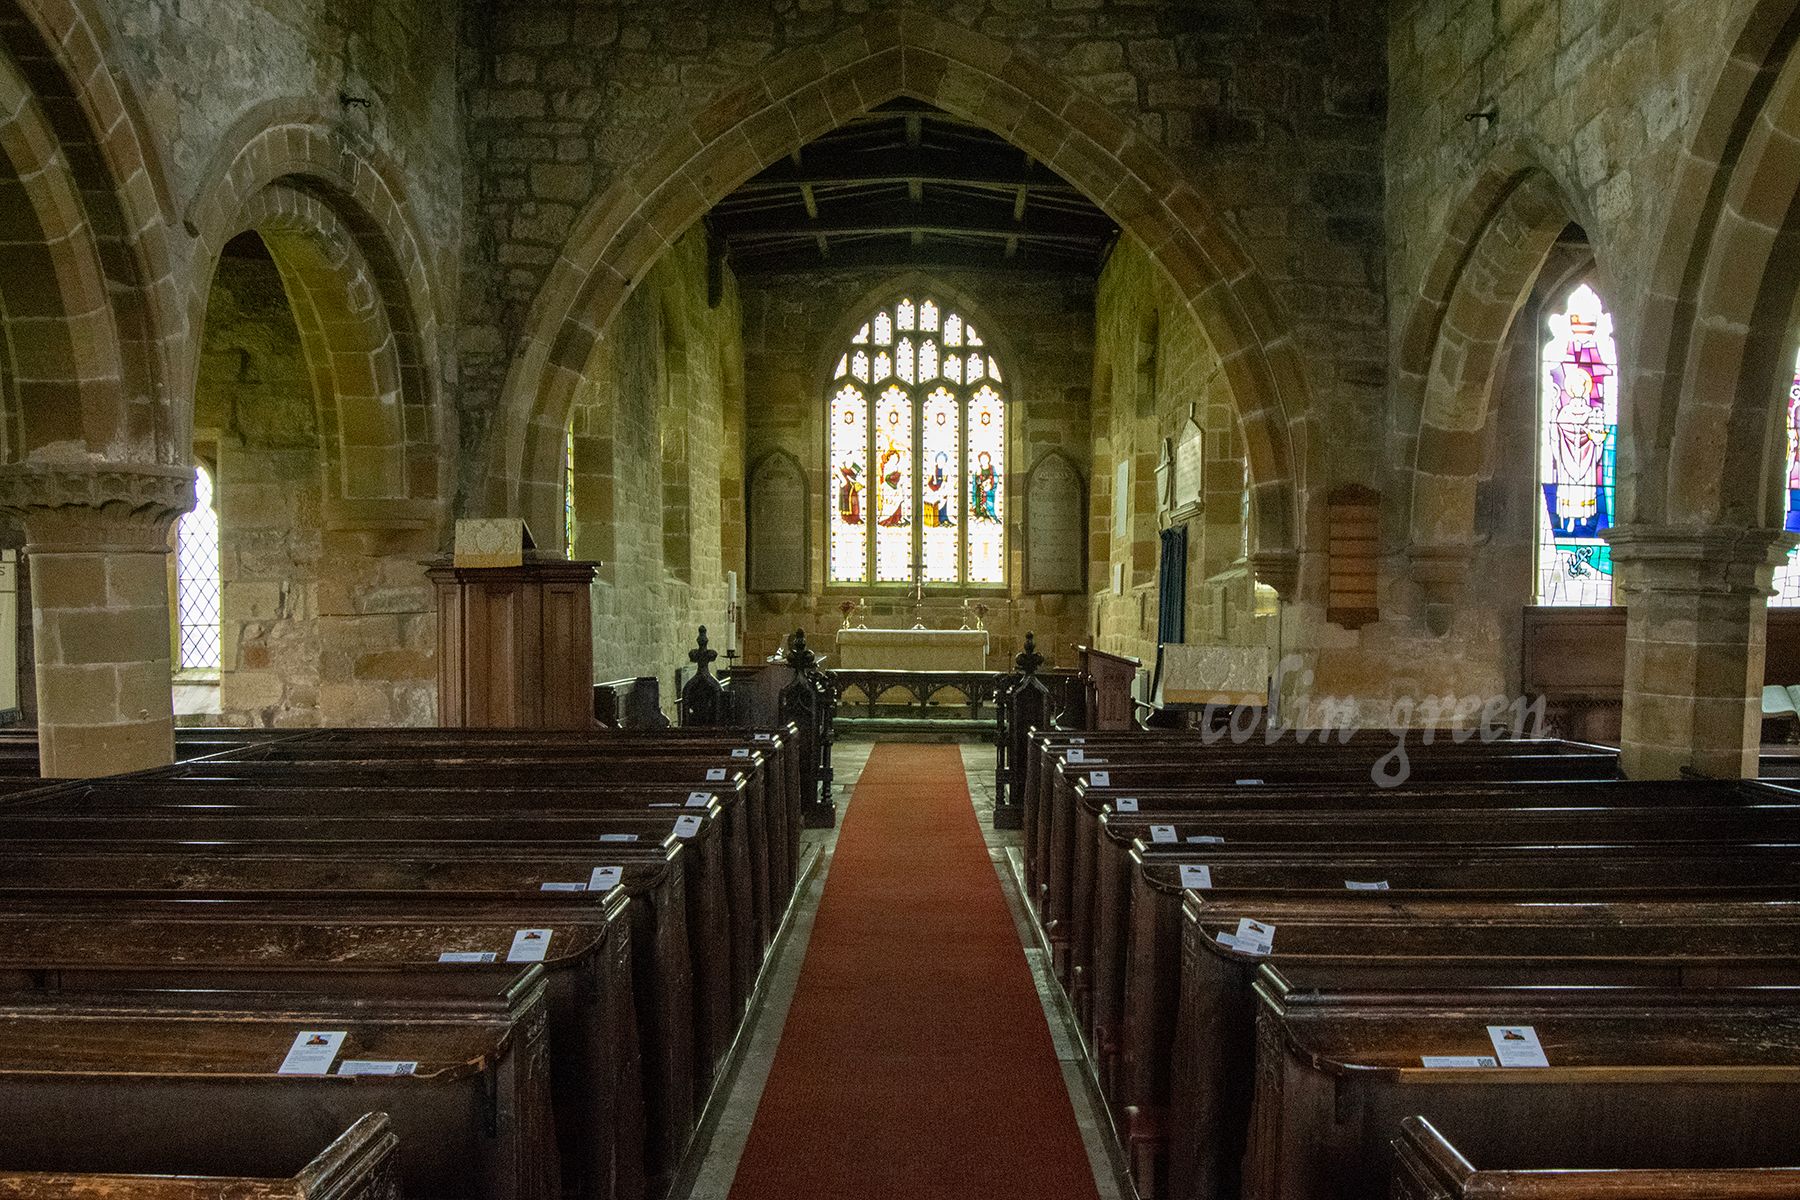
x,y
914,649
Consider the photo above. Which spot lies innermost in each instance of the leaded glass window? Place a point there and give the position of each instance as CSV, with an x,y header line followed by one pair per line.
x,y
1787,575
569,487
197,583
917,452
1578,421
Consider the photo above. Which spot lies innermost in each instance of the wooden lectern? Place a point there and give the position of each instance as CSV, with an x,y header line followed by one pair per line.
x,y
515,645
1108,680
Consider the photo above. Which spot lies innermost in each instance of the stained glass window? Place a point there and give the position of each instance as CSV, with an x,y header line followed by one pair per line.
x,y
569,487
919,471
849,486
1787,575
197,584
1578,419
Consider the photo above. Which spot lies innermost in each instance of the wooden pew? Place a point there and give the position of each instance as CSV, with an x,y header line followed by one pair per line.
x,y
1428,1167
200,1077
618,975
1212,1059
1650,1080
359,1164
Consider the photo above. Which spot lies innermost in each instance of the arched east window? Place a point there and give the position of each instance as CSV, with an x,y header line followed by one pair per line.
x,y
1578,424
197,582
1787,575
916,414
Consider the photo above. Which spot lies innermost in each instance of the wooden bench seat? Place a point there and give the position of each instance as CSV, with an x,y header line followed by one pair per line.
x,y
184,1075
1642,1081
359,1164
1427,1166
1211,1062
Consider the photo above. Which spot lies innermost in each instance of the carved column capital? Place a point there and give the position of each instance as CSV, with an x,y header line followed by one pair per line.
x,y
1696,560
95,507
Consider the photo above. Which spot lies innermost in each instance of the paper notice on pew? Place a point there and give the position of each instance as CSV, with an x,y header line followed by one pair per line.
x,y
1252,937
618,837
699,799
1451,1062
468,956
687,827
1373,885
1205,839
1162,833
763,737
1125,804
605,879
1249,783
1077,741
529,945
741,752
1196,875
1517,1046
573,886
1100,779
715,774
312,1052
1077,756
376,1066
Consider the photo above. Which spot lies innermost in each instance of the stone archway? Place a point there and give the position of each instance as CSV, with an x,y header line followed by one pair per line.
x,y
1493,251
810,91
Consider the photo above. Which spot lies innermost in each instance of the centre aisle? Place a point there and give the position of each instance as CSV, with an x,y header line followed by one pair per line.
x,y
916,1060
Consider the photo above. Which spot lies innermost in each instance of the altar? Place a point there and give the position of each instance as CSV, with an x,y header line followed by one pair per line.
x,y
915,649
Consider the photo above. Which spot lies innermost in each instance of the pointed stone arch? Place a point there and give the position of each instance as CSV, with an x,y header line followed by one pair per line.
x,y
353,268
1493,251
809,91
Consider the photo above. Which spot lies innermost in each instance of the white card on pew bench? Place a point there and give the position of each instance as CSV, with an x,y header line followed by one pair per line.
x,y
715,774
1077,741
312,1052
605,879
1205,839
1077,756
376,1066
618,837
1195,875
1255,937
1100,779
1371,885
763,737
1162,833
1446,1062
741,752
529,945
1517,1046
1125,804
699,799
687,827
468,956
576,886
1249,783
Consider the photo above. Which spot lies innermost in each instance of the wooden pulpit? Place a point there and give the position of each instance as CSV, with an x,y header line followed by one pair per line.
x,y
1109,680
515,645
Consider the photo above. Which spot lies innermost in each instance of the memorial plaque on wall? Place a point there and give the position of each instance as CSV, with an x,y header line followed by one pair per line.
x,y
1055,527
1190,467
778,517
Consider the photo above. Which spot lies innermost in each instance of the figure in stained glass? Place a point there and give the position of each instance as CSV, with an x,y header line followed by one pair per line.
x,y
984,489
1577,453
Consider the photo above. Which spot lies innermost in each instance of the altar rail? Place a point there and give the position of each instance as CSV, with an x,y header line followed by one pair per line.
x,y
974,688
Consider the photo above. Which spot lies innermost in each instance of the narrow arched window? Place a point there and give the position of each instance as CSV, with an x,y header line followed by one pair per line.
x,y
1578,424
197,582
916,447
569,488
1787,575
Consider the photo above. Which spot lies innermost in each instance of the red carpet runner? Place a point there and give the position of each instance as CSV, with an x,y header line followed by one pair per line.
x,y
916,1061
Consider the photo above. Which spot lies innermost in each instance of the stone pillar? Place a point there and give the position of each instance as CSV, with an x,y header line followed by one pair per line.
x,y
1696,602
97,538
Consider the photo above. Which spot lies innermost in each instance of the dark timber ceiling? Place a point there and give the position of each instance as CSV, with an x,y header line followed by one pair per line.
x,y
910,185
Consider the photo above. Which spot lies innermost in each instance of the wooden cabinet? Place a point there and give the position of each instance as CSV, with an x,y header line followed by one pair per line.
x,y
515,645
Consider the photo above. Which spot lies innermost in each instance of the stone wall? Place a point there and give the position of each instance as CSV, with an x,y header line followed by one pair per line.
x,y
796,326
652,482
1154,370
1274,110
